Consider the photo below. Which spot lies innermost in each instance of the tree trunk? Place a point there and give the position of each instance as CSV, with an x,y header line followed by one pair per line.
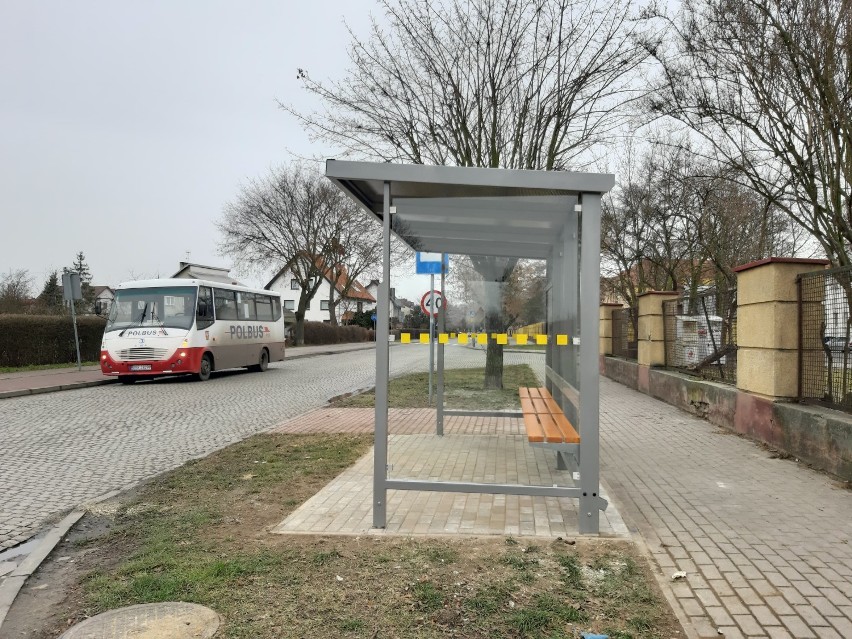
x,y
332,306
299,336
493,354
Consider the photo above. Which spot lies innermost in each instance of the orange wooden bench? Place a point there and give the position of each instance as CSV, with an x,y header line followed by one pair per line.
x,y
547,426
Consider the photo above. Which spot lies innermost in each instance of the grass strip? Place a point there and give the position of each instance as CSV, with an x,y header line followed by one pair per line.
x,y
463,388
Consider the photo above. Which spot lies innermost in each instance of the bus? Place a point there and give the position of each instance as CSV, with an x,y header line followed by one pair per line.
x,y
173,326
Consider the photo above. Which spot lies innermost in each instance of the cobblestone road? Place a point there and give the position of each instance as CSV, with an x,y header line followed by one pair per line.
x,y
58,450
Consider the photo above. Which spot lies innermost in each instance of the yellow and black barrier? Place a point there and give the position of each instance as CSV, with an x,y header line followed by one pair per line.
x,y
504,339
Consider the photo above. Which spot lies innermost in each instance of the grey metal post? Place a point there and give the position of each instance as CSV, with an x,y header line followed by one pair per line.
x,y
76,339
571,303
431,330
442,327
380,452
590,243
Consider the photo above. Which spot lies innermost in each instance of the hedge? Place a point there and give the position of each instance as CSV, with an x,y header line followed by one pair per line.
x,y
322,333
48,339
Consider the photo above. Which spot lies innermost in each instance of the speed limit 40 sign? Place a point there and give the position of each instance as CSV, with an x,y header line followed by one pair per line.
x,y
432,302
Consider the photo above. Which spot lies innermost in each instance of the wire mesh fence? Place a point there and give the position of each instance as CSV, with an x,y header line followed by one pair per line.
x,y
624,333
700,333
825,338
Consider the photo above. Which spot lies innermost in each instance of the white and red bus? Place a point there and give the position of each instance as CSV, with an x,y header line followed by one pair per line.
x,y
172,326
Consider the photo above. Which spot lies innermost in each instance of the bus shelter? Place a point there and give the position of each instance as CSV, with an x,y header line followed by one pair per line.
x,y
495,217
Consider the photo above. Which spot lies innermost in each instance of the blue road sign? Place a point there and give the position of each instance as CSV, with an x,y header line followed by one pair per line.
x,y
373,317
430,263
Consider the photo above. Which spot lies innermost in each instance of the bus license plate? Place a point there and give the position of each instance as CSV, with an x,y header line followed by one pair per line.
x,y
140,367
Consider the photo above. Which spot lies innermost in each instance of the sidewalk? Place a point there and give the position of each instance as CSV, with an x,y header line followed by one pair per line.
x,y
57,379
765,542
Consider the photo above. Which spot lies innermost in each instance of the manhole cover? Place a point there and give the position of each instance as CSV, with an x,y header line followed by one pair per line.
x,y
169,620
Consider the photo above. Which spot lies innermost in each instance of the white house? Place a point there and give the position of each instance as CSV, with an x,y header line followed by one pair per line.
x,y
104,297
357,299
396,306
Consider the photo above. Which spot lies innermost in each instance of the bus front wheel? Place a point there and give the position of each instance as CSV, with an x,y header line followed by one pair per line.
x,y
263,364
206,368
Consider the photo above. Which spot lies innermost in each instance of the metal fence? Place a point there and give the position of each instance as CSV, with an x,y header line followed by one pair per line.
x,y
624,333
825,336
700,334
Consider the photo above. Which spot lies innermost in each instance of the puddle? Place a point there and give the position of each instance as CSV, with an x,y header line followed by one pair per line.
x,y
21,549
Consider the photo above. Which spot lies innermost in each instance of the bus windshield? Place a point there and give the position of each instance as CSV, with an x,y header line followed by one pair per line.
x,y
168,306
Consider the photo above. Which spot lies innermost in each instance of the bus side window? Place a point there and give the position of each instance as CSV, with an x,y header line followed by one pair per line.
x,y
264,308
245,305
226,305
276,309
204,313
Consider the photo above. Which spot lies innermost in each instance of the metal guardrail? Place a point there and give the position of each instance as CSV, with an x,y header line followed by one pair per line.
x,y
825,337
700,334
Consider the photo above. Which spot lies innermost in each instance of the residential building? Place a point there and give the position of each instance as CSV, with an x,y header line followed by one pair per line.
x,y
192,271
396,305
104,297
356,299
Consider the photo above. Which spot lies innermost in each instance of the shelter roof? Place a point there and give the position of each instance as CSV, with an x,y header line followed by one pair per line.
x,y
469,210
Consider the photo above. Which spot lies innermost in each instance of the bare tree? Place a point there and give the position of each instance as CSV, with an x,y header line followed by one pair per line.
x,y
768,84
15,291
680,221
358,252
525,84
294,218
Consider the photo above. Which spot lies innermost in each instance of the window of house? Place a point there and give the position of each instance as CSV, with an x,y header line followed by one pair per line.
x,y
294,285
290,305
324,305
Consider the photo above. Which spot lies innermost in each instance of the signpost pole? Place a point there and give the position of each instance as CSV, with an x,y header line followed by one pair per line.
x,y
71,291
431,332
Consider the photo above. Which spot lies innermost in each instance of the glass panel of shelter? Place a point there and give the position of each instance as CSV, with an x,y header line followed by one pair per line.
x,y
495,337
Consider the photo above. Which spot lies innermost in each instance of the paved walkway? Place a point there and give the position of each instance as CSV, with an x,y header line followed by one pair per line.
x,y
473,449
57,379
766,543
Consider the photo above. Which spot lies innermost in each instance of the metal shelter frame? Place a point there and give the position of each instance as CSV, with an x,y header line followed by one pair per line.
x,y
547,215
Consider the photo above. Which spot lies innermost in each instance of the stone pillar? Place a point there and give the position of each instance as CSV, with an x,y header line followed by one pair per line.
x,y
651,338
606,310
651,344
768,325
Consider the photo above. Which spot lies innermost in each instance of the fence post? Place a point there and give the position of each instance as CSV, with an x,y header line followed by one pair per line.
x,y
768,325
650,338
606,309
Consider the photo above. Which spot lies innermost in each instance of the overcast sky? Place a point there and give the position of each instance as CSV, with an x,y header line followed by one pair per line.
x,y
125,127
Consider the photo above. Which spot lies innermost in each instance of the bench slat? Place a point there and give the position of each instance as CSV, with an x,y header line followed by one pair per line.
x,y
552,433
569,434
544,419
527,405
534,431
